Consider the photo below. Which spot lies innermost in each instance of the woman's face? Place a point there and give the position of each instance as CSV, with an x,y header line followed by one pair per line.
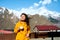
x,y
22,17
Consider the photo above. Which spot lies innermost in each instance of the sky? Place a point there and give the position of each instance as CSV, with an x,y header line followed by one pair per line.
x,y
32,6
17,4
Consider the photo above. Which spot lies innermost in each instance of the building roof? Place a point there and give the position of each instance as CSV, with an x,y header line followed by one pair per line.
x,y
5,32
47,27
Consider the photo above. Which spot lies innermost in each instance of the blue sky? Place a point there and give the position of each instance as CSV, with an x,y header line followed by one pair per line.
x,y
19,4
54,6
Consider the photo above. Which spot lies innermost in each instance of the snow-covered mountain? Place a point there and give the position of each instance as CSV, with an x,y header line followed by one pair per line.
x,y
7,19
44,11
41,11
9,16
2,9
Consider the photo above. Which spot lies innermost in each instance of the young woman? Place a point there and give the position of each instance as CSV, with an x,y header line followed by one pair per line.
x,y
22,28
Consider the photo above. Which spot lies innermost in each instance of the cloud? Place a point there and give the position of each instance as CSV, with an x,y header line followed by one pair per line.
x,y
36,4
28,10
45,2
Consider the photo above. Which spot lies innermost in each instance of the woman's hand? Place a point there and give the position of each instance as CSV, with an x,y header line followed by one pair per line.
x,y
21,28
18,30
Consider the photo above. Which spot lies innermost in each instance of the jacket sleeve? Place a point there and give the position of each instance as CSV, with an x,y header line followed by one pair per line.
x,y
16,28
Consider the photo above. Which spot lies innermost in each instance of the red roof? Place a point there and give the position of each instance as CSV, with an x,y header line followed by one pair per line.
x,y
47,27
5,32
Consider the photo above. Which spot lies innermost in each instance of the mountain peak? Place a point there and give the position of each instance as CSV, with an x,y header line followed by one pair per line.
x,y
2,9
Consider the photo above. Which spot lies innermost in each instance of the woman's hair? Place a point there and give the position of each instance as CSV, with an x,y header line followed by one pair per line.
x,y
26,18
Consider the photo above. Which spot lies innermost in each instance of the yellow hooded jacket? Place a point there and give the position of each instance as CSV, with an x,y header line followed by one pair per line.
x,y
21,35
